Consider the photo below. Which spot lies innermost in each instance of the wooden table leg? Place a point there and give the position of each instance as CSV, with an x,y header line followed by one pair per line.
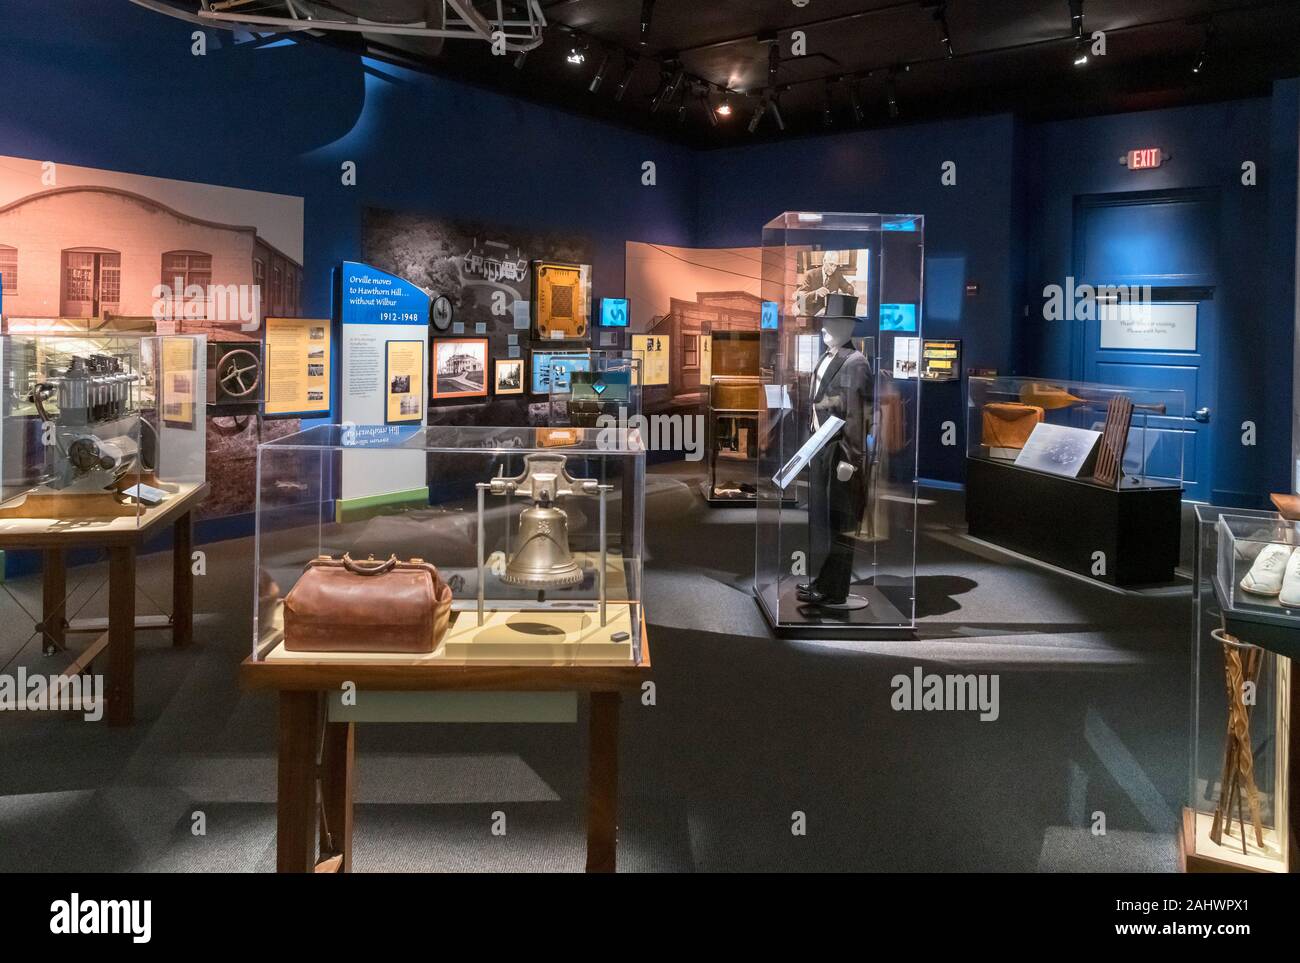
x,y
602,783
295,816
337,782
183,581
121,635
54,601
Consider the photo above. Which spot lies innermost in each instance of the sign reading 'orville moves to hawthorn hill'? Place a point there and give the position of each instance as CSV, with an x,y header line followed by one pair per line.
x,y
374,308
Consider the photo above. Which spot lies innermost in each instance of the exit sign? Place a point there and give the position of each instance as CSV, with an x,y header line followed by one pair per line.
x,y
1143,158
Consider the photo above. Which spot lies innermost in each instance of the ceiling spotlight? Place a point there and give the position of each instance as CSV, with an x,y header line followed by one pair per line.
x,y
1081,52
629,68
702,92
724,109
659,97
1204,54
576,56
941,18
759,111
775,110
667,89
1076,17
519,59
647,12
599,77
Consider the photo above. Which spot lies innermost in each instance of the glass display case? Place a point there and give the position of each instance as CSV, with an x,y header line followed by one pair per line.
x,y
1243,740
99,428
1109,435
1085,477
595,384
836,479
737,418
466,544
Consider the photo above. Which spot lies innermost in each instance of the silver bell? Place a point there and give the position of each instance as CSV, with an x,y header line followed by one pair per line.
x,y
543,559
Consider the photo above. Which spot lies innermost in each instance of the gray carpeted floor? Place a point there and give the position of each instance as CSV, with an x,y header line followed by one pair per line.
x,y
747,730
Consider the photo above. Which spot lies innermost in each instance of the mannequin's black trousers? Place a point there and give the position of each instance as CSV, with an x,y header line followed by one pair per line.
x,y
834,510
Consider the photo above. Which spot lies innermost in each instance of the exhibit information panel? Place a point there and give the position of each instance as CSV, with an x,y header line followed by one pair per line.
x,y
836,543
526,551
375,309
298,364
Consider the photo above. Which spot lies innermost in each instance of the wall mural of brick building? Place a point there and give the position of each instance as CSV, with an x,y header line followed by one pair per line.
x,y
119,260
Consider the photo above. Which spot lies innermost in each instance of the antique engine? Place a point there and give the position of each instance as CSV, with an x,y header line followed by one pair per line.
x,y
95,434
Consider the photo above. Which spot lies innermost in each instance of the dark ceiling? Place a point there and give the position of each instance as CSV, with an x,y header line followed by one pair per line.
x,y
861,55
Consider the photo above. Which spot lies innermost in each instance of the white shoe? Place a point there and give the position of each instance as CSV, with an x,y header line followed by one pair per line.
x,y
1290,596
1265,576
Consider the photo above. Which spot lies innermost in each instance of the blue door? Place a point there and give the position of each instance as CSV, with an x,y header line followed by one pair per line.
x,y
1167,241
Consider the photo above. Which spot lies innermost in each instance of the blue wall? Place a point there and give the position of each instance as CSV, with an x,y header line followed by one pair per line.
x,y
126,94
1256,262
1007,224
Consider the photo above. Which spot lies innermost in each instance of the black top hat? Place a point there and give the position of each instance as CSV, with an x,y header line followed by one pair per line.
x,y
841,306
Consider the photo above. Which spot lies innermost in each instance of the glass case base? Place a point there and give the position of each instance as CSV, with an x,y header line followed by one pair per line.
x,y
866,607
1201,854
509,636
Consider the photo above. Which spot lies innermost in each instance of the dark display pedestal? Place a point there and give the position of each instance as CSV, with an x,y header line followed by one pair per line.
x,y
1064,522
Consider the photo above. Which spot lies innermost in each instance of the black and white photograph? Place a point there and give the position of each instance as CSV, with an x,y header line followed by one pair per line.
x,y
460,367
509,376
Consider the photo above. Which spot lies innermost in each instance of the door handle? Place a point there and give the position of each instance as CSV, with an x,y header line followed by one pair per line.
x,y
1202,415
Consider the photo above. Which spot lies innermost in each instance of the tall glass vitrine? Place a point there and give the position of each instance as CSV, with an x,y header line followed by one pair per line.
x,y
836,512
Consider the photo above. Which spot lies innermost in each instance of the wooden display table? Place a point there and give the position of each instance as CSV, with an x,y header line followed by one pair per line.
x,y
122,537
304,683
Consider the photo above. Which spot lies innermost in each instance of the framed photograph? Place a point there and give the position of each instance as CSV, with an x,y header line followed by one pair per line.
x,y
509,376
823,273
561,301
459,368
551,370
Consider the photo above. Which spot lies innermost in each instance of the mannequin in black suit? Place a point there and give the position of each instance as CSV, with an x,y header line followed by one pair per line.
x,y
837,475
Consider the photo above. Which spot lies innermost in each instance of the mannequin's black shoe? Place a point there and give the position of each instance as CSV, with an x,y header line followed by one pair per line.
x,y
805,589
814,597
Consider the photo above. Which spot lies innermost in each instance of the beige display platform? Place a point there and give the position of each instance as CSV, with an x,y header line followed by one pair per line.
x,y
508,637
15,531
